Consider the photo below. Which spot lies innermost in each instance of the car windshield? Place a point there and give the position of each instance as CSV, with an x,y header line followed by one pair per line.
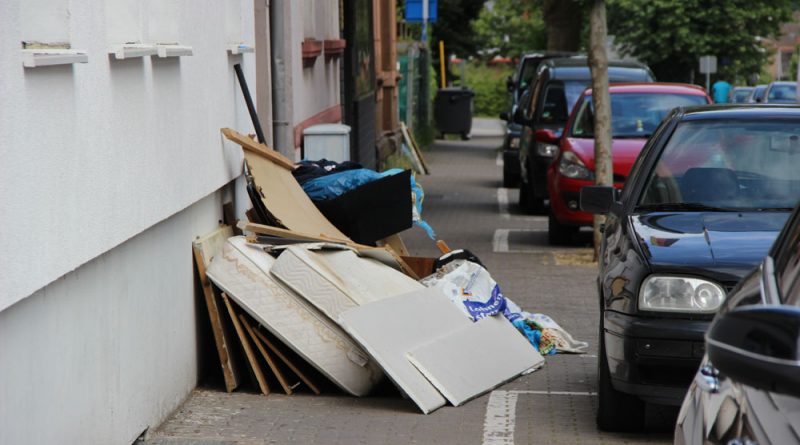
x,y
633,115
741,95
784,93
727,165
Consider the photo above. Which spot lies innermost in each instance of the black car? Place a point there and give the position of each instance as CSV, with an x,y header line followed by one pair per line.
x,y
706,198
518,84
747,390
559,83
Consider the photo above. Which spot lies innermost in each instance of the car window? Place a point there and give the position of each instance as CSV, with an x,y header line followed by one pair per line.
x,y
787,261
553,109
737,164
740,96
782,94
633,115
528,73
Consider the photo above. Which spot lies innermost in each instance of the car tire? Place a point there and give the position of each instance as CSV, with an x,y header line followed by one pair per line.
x,y
527,200
559,234
616,411
510,180
465,136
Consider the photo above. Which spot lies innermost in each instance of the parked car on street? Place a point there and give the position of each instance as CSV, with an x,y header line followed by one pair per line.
x,y
704,201
739,95
559,83
636,111
757,95
747,390
518,84
781,93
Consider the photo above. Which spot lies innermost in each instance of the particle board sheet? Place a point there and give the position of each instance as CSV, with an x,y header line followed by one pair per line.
x,y
283,195
475,359
389,328
336,280
242,272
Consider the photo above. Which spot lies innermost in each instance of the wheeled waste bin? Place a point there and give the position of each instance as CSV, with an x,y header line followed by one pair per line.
x,y
452,111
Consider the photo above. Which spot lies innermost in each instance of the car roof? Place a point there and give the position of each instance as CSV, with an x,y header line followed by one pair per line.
x,y
653,87
783,82
577,68
738,111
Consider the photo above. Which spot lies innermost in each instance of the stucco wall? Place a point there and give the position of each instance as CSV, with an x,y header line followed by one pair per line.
x,y
93,154
110,349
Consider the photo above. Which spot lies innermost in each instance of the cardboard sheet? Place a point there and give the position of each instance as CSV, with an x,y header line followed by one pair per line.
x,y
389,328
336,280
283,196
475,359
242,272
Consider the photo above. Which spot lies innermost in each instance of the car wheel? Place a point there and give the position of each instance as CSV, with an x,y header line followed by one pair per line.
x,y
510,180
616,411
465,136
559,234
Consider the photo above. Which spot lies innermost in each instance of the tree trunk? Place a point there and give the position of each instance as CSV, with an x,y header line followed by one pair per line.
x,y
598,63
563,21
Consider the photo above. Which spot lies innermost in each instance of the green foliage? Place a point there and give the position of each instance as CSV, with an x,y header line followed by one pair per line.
x,y
670,35
489,84
510,28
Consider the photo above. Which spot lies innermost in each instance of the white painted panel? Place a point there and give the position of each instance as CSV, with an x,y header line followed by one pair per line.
x,y
390,328
43,21
109,349
475,359
124,21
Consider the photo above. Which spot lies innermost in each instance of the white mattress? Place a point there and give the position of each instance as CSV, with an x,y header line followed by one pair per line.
x,y
242,272
339,280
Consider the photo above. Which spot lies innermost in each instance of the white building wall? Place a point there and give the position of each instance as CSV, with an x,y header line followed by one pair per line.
x,y
108,171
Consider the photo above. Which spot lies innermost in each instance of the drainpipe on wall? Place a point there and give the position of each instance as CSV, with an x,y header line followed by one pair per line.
x,y
282,132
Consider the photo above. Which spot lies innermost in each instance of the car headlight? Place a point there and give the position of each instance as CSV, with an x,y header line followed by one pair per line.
x,y
513,143
548,150
572,167
680,294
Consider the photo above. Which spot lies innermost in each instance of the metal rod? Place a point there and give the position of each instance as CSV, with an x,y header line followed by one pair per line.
x,y
250,107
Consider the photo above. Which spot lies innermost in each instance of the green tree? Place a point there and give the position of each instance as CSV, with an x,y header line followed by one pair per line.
x,y
510,28
670,35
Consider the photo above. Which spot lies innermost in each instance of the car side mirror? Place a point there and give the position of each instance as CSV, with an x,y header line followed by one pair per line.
x,y
546,136
519,117
504,116
758,346
598,199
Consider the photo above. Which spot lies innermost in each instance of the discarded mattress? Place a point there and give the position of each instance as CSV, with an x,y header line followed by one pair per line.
x,y
337,280
243,273
475,359
392,327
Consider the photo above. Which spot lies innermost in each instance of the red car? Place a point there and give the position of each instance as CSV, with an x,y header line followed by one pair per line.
x,y
636,111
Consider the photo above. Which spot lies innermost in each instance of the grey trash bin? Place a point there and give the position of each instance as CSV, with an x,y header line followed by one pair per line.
x,y
452,111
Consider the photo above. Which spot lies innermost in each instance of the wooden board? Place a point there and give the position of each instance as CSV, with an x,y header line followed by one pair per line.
x,y
267,358
415,150
311,385
475,359
389,328
283,196
204,248
248,350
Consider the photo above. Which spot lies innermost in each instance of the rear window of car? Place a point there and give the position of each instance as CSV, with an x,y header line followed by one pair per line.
x,y
730,165
633,115
782,94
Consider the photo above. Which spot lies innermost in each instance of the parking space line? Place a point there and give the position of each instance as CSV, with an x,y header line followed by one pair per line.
x,y
500,240
499,159
501,413
502,202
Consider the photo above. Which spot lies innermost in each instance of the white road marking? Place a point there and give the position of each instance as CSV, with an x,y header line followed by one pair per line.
x,y
501,413
502,202
499,159
500,240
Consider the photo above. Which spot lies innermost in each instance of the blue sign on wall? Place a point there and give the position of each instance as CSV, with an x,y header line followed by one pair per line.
x,y
414,11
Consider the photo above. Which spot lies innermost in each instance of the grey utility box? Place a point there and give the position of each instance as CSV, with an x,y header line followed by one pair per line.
x,y
327,141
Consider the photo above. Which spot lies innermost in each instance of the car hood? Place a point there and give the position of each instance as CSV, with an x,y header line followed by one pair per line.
x,y
724,245
623,152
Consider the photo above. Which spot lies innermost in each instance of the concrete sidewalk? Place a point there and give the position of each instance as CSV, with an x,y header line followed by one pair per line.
x,y
484,127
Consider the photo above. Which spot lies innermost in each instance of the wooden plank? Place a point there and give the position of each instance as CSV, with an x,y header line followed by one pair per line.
x,y
415,148
288,362
422,266
248,350
255,147
228,368
396,243
271,363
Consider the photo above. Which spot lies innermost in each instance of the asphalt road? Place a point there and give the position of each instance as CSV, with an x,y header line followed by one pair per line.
x,y
557,404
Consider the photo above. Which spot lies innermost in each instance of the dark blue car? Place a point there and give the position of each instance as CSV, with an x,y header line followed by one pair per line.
x,y
704,202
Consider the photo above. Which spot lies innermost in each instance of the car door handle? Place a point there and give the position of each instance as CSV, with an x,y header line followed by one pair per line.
x,y
707,379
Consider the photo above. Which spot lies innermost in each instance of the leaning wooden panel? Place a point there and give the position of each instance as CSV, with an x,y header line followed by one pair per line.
x,y
311,385
204,249
267,358
248,350
242,271
283,195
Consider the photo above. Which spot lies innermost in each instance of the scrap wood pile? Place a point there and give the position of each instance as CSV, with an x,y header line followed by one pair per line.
x,y
345,299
